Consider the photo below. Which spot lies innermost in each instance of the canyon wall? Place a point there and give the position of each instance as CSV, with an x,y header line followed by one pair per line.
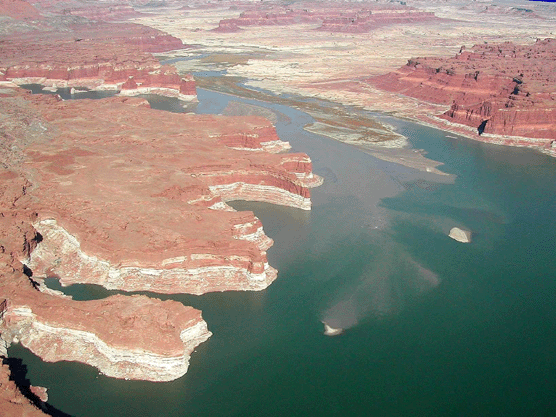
x,y
368,20
114,193
159,201
498,89
82,61
124,337
332,17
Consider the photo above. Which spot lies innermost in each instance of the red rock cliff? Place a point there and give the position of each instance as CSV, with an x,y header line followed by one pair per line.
x,y
145,161
114,193
501,89
81,60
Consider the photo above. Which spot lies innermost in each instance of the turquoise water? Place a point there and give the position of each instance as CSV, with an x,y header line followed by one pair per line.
x,y
433,327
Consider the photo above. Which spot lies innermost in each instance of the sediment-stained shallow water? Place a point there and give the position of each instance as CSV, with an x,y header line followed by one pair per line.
x,y
433,327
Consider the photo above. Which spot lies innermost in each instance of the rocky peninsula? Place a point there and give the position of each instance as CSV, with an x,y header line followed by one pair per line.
x,y
82,60
115,193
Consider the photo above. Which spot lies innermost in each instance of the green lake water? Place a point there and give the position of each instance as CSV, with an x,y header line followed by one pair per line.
x,y
433,327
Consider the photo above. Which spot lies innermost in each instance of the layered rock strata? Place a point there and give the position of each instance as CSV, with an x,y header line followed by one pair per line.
x,y
271,17
91,64
125,197
144,338
331,17
369,20
124,337
497,89
114,193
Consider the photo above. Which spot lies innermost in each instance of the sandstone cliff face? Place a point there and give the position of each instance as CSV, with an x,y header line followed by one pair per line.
x,y
331,17
114,193
144,338
93,63
124,337
270,16
161,186
500,89
368,20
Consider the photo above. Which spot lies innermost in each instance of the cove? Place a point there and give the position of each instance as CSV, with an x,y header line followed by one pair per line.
x,y
433,327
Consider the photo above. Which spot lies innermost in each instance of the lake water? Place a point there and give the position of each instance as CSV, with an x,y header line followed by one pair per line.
x,y
433,327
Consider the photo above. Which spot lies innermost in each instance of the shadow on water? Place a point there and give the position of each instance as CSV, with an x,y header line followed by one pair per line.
x,y
18,374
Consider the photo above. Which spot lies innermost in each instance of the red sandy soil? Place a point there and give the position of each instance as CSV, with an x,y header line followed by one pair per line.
x,y
18,9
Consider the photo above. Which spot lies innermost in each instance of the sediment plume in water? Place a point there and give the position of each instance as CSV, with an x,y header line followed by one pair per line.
x,y
390,281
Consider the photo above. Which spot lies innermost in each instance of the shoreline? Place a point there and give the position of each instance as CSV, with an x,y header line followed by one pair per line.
x,y
375,148
398,153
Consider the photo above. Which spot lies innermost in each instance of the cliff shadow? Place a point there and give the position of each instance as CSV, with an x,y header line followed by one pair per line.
x,y
18,373
482,127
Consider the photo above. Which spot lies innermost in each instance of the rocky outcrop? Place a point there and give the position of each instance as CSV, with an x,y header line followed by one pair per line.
x,y
331,331
92,63
331,17
272,16
164,189
227,26
124,337
498,89
163,82
144,338
463,236
368,20
114,193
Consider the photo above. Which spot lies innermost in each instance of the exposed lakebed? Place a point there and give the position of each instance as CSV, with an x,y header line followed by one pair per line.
x,y
435,327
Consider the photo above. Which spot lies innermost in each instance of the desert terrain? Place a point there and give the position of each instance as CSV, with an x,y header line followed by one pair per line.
x,y
337,63
114,193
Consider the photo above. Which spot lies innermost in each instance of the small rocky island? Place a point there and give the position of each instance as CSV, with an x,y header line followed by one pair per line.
x,y
463,236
